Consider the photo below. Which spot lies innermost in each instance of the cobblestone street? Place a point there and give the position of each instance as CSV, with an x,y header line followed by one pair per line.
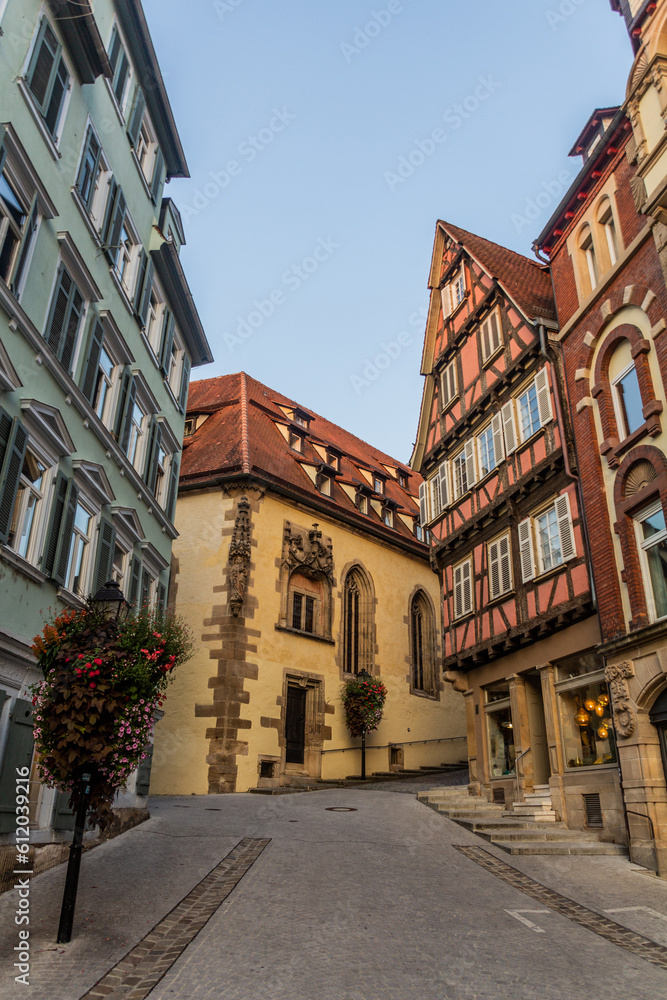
x,y
345,894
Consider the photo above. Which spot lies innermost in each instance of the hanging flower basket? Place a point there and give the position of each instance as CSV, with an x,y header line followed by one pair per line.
x,y
363,701
95,708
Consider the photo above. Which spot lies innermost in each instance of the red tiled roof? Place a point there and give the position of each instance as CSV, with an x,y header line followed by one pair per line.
x,y
527,281
241,436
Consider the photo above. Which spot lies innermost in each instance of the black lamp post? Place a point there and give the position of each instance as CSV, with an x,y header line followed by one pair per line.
x,y
112,600
364,677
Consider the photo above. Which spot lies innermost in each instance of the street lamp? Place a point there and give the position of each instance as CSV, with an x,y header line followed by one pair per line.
x,y
364,677
112,599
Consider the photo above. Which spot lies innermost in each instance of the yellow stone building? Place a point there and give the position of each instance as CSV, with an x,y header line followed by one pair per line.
x,y
300,563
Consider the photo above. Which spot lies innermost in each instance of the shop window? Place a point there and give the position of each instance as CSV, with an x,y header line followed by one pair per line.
x,y
585,716
652,537
500,729
357,622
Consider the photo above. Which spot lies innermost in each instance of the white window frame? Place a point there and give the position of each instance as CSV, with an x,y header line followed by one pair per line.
x,y
499,554
86,564
155,318
491,344
38,524
494,431
531,552
463,589
52,138
449,389
619,408
643,546
121,105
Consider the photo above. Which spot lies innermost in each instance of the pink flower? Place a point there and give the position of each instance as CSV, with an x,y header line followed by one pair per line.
x,y
92,684
97,662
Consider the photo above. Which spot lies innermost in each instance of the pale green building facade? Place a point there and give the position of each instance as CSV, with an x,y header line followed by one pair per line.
x,y
98,334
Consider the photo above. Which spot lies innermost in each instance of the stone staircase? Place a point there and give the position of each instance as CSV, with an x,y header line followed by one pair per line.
x,y
531,829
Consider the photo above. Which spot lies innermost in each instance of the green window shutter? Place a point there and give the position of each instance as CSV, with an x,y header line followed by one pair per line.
x,y
158,175
59,311
105,550
139,283
42,66
114,50
185,383
67,529
126,378
55,522
59,87
119,64
137,116
116,218
63,817
146,291
29,230
162,596
6,424
19,751
167,340
126,424
173,488
135,579
154,441
92,363
71,331
10,475
3,151
109,213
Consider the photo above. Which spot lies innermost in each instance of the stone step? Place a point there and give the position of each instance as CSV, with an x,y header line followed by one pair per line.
x,y
539,834
485,825
561,847
458,815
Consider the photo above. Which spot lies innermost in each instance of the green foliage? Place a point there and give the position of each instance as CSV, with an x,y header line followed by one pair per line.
x,y
363,701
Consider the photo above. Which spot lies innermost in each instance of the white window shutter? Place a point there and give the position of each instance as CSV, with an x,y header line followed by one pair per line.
x,y
498,440
505,554
443,475
484,331
509,426
458,592
434,484
446,301
471,464
466,587
494,332
526,550
423,504
494,571
543,396
565,530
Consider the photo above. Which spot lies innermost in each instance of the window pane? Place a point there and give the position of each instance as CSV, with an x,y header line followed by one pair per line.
x,y
631,401
657,563
549,539
653,524
530,419
587,726
501,742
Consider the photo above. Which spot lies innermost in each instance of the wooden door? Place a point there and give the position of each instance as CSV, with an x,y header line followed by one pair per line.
x,y
295,725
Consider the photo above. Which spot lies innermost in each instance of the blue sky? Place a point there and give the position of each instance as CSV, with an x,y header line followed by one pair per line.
x,y
326,137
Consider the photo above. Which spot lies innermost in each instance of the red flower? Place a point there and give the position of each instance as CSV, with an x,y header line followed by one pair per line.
x,y
92,684
98,662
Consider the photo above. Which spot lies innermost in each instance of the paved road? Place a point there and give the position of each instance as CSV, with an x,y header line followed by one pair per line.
x,y
371,904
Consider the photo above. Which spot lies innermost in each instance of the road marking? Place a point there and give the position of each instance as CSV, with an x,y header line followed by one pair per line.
x,y
630,909
524,920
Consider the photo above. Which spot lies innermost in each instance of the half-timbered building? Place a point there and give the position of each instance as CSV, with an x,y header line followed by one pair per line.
x,y
501,503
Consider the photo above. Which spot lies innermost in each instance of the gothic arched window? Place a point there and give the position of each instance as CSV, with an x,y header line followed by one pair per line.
x,y
357,622
421,645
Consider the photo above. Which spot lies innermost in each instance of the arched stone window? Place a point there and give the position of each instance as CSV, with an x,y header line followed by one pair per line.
x,y
623,387
306,582
422,643
358,606
307,606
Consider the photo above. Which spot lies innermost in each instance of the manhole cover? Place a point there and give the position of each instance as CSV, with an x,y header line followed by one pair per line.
x,y
340,809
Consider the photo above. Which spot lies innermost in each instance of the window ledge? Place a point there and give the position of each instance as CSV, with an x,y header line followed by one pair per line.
x,y
492,357
592,767
418,693
122,290
142,175
446,406
540,577
114,102
305,635
74,600
22,564
463,618
613,452
503,597
39,121
149,348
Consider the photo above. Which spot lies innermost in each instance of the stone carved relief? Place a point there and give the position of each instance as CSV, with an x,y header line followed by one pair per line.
x,y
617,675
307,551
239,557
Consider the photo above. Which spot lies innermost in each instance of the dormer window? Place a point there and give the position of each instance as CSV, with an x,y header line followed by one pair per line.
x,y
325,483
388,516
333,460
362,503
296,441
402,480
378,484
189,427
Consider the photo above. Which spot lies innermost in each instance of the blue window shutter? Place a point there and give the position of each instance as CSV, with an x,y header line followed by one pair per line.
x,y
29,230
158,175
92,363
105,550
10,475
185,383
55,522
167,340
173,488
137,116
20,747
67,529
146,292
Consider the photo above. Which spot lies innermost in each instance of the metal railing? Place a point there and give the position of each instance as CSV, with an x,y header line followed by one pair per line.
x,y
516,761
395,743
